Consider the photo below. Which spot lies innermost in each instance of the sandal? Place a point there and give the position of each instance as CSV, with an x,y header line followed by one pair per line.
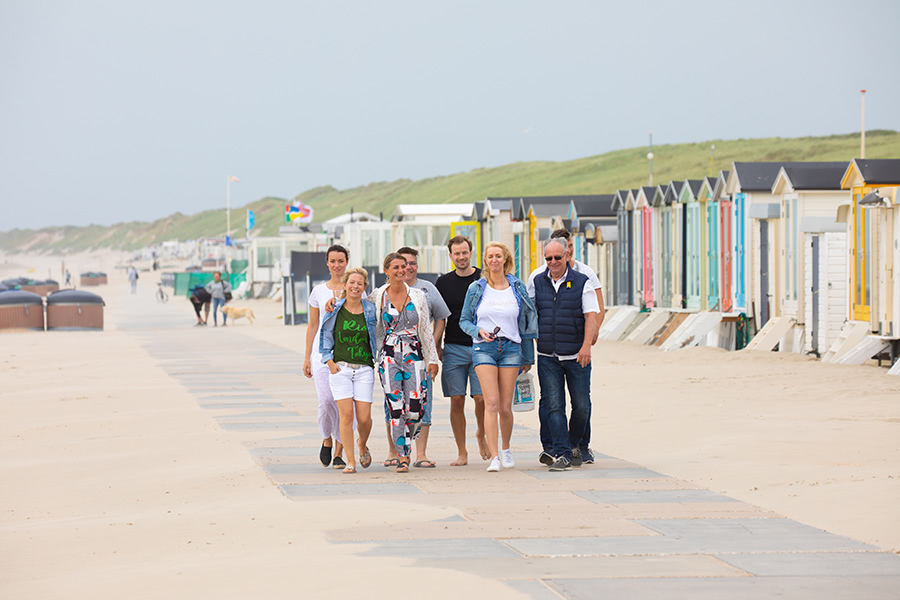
x,y
349,469
403,466
365,459
424,464
390,462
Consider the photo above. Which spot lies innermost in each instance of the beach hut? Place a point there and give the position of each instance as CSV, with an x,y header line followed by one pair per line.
x,y
428,228
813,269
693,264
874,243
675,231
727,246
643,206
74,310
710,242
20,309
625,271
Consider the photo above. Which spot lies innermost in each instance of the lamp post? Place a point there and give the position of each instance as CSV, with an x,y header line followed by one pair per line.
x,y
228,181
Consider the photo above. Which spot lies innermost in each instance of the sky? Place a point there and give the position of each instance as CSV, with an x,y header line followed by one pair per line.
x,y
116,111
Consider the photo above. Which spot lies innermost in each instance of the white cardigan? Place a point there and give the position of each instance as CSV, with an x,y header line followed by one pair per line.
x,y
424,330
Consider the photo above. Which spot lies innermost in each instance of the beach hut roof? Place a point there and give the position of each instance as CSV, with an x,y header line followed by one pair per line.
x,y
596,205
499,203
673,191
556,209
693,187
619,199
756,176
876,171
810,176
478,210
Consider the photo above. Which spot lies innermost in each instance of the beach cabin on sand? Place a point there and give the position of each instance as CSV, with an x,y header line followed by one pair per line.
x,y
874,231
643,207
625,249
673,238
427,228
693,283
593,221
727,247
813,274
495,218
709,245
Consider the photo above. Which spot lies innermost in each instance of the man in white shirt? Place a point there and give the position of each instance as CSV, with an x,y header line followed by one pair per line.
x,y
567,310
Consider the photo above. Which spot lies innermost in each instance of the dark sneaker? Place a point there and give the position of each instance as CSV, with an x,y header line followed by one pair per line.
x,y
325,455
546,458
587,456
576,457
338,463
561,464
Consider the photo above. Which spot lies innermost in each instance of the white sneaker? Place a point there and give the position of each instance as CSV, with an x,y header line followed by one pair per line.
x,y
506,459
494,466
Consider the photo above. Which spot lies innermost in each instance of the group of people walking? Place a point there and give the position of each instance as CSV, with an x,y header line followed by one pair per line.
x,y
482,325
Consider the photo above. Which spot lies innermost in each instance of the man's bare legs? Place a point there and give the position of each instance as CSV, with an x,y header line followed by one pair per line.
x,y
458,424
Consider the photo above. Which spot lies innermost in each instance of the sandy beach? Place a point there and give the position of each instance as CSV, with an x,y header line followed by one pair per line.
x,y
117,479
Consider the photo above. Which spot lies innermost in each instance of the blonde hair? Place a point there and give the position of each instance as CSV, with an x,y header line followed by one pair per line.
x,y
508,263
354,271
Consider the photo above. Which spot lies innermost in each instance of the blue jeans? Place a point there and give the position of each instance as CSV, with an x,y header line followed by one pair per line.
x,y
502,352
554,375
219,303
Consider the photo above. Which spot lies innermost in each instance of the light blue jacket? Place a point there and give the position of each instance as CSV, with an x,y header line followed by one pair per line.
x,y
528,328
326,334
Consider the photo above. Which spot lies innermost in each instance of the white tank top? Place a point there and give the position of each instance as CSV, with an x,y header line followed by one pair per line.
x,y
499,307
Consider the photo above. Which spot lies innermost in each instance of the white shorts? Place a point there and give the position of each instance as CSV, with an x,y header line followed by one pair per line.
x,y
352,383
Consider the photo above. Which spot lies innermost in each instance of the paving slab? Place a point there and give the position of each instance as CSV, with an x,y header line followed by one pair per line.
x,y
536,590
652,496
593,567
732,588
440,549
818,564
588,472
500,482
698,536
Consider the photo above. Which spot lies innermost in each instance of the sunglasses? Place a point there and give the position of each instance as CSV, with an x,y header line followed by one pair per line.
x,y
552,258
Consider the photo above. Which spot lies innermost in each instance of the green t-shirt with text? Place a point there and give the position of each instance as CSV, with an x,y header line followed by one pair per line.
x,y
351,338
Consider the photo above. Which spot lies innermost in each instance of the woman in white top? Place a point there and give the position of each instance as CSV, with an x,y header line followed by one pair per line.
x,y
502,321
337,258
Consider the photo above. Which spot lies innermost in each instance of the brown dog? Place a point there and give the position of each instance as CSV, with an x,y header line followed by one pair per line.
x,y
235,313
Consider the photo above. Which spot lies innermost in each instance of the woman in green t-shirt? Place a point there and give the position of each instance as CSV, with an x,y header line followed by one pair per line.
x,y
347,342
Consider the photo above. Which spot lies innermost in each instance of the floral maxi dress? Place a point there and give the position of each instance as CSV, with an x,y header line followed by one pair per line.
x,y
401,368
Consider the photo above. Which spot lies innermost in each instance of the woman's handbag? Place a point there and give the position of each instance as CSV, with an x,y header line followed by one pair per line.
x,y
523,400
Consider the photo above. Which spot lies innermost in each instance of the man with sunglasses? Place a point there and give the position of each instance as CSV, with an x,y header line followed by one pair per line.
x,y
567,311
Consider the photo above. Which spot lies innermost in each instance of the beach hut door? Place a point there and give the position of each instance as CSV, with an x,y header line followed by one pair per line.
x,y
763,273
815,294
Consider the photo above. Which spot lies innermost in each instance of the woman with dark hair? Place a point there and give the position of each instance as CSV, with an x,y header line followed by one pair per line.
x,y
502,321
337,258
406,351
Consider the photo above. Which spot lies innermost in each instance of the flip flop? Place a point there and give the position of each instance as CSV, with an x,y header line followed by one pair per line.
x,y
365,459
424,464
390,462
349,469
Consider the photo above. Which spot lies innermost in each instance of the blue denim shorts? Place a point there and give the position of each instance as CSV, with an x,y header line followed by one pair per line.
x,y
459,368
499,353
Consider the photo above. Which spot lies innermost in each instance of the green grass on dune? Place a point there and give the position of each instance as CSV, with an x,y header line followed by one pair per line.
x,y
604,173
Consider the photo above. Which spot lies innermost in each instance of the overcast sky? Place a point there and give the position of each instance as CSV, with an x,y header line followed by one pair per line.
x,y
130,110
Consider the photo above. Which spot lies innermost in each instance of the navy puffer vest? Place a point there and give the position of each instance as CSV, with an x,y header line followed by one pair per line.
x,y
560,314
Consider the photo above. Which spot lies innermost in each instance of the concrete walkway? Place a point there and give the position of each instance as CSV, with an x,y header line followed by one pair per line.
x,y
613,529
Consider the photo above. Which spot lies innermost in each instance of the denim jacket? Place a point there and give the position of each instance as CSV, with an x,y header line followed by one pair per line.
x,y
528,328
326,334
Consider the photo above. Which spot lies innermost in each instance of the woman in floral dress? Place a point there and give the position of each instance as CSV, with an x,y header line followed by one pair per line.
x,y
406,352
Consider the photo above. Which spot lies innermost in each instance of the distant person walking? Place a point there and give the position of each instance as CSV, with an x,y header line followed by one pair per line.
x,y
133,277
336,258
567,322
458,368
347,342
68,278
217,289
501,319
406,352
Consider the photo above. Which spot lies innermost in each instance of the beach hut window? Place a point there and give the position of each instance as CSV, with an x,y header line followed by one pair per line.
x,y
440,235
265,257
415,236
